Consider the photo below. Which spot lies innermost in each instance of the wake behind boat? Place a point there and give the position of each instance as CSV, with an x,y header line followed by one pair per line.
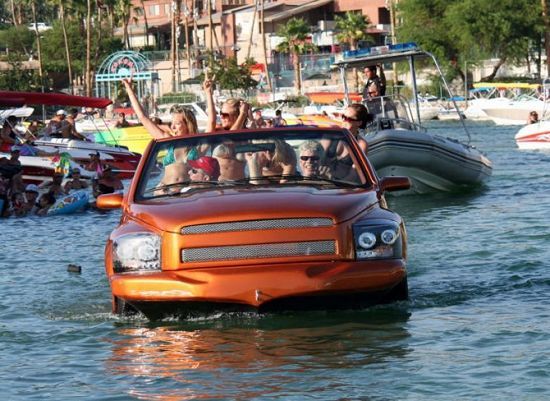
x,y
400,145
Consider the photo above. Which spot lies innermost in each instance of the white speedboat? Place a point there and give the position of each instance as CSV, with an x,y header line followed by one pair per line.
x,y
123,161
516,111
534,136
398,143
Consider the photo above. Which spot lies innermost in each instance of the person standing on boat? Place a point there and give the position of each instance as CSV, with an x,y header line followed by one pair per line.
x,y
56,124
373,79
8,137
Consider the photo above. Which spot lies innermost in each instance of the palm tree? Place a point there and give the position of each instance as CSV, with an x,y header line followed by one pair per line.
x,y
351,28
66,40
88,71
264,47
38,44
294,34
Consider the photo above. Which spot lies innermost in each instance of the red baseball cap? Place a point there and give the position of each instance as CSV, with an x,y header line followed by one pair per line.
x,y
207,164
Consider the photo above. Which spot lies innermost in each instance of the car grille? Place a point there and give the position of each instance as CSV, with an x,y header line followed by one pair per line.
x,y
270,224
258,251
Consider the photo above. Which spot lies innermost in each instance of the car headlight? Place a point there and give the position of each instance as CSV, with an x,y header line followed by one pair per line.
x,y
377,241
137,252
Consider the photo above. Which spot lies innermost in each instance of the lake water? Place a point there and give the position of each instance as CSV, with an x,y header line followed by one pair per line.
x,y
477,325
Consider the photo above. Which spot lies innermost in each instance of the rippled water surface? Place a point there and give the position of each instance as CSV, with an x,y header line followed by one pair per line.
x,y
476,327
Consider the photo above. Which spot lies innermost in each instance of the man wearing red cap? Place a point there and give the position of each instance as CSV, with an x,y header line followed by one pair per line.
x,y
205,168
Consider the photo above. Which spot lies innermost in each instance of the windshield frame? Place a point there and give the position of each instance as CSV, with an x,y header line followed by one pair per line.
x,y
366,173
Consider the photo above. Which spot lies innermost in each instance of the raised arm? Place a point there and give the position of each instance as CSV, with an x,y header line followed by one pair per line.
x,y
243,115
149,125
208,86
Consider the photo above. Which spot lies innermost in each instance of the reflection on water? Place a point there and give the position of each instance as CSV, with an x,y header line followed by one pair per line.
x,y
223,356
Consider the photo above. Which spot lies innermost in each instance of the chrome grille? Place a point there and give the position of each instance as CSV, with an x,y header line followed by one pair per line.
x,y
258,251
271,224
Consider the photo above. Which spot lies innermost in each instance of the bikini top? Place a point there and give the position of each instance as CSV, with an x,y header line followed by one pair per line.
x,y
170,157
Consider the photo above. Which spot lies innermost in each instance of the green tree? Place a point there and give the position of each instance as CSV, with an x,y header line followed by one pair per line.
x,y
458,31
295,33
19,79
230,75
18,40
352,28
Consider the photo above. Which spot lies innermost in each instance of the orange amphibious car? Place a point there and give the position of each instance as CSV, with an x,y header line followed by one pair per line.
x,y
285,218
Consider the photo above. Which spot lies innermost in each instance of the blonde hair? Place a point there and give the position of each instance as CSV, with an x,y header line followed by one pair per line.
x,y
188,117
234,103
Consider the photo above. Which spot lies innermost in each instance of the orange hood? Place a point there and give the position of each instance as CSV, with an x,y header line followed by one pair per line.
x,y
225,205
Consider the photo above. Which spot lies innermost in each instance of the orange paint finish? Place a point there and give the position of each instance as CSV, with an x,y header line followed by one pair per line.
x,y
254,244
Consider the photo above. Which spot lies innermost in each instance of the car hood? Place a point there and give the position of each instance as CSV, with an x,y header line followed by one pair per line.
x,y
226,205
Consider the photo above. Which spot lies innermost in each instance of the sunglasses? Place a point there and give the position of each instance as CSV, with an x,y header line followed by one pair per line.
x,y
194,171
350,119
312,158
225,115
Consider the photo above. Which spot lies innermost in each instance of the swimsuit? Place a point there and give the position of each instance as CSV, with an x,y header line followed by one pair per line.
x,y
170,157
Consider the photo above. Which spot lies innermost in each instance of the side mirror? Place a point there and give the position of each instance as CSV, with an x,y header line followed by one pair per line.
x,y
109,201
394,183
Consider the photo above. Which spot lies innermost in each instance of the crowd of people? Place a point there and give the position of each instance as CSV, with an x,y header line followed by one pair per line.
x,y
179,164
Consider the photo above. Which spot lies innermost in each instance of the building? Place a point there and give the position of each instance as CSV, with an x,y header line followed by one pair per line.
x,y
234,30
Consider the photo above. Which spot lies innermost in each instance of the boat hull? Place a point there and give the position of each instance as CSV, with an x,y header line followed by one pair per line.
x,y
534,136
433,163
123,161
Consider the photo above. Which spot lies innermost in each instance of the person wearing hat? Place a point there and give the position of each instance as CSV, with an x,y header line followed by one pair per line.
x,y
76,182
55,125
205,168
55,186
8,137
31,196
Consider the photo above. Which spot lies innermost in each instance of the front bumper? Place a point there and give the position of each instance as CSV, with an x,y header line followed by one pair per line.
x,y
257,285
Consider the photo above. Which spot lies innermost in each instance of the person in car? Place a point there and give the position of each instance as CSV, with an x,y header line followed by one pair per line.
x,y
337,156
205,168
278,159
231,165
310,159
183,123
234,112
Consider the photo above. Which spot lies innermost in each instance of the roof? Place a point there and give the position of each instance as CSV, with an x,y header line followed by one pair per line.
x,y
297,10
506,85
52,99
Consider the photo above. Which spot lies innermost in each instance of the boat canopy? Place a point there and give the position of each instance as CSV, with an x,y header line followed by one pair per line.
x,y
9,98
381,54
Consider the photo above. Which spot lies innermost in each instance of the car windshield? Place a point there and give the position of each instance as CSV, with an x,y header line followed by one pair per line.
x,y
266,158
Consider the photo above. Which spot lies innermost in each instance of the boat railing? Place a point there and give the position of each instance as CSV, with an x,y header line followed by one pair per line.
x,y
391,112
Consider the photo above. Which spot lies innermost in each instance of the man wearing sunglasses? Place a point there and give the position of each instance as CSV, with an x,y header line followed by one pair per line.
x,y
311,155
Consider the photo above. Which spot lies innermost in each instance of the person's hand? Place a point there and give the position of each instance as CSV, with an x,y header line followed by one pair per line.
x,y
251,156
244,108
127,82
208,84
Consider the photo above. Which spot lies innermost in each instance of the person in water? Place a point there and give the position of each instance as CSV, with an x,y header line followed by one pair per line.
x,y
533,118
76,182
108,183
